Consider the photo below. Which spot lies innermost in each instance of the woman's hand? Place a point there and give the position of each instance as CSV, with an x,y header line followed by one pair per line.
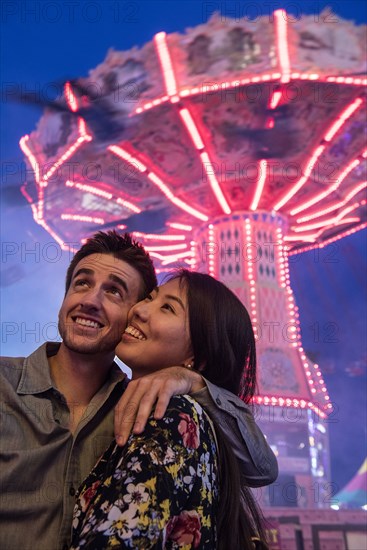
x,y
138,400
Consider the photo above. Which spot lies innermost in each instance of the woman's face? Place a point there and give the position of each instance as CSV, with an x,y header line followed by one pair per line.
x,y
157,334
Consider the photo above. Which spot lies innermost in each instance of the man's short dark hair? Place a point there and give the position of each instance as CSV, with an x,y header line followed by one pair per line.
x,y
122,247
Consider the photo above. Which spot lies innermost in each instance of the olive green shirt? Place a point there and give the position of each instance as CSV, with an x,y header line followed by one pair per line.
x,y
42,463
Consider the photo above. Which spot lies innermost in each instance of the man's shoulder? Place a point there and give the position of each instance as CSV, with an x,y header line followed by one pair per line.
x,y
11,369
10,361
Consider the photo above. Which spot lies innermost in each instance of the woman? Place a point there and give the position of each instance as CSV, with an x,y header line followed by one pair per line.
x,y
177,485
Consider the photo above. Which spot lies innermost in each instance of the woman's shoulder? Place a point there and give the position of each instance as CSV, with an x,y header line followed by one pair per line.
x,y
185,403
180,405
185,416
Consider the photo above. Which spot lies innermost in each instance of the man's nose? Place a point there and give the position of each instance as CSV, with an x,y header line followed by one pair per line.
x,y
92,299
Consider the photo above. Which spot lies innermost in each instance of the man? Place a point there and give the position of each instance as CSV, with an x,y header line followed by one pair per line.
x,y
58,403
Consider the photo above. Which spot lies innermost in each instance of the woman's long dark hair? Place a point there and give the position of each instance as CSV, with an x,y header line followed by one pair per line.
x,y
223,344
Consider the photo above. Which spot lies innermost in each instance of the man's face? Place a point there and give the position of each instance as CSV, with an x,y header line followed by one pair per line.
x,y
93,314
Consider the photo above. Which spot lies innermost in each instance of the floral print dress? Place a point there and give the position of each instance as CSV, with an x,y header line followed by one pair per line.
x,y
160,491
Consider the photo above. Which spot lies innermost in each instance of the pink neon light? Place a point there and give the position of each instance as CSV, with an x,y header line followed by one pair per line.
x,y
166,269
152,236
163,248
55,236
343,222
191,128
166,64
79,218
24,192
262,78
193,262
184,255
214,182
347,80
281,257
178,202
342,118
260,184
315,236
30,200
329,222
39,219
310,238
41,201
123,154
70,97
80,140
82,129
179,226
287,402
300,183
250,268
211,262
101,193
282,43
165,260
128,205
275,98
345,233
329,190
31,158
334,206
89,189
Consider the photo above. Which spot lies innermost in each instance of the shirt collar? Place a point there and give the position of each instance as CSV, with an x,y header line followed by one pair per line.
x,y
36,376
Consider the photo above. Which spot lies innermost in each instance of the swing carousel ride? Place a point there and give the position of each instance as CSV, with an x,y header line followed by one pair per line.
x,y
225,149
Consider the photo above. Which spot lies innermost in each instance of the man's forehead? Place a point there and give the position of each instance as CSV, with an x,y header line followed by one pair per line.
x,y
107,264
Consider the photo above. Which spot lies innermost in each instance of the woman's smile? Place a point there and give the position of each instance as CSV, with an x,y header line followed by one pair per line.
x,y
157,334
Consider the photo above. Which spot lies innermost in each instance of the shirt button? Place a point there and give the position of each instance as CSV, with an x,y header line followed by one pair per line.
x,y
219,402
72,491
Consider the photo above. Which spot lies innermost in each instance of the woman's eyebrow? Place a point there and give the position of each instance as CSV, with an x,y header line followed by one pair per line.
x,y
176,298
171,297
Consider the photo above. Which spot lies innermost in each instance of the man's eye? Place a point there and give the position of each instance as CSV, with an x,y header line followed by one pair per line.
x,y
80,282
115,291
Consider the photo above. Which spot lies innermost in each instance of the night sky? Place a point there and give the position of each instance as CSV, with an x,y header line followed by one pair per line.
x,y
45,42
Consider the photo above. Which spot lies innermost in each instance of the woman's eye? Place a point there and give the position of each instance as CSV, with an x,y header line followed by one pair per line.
x,y
169,307
149,298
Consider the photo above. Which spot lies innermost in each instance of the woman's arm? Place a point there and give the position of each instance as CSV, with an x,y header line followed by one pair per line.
x,y
160,486
256,460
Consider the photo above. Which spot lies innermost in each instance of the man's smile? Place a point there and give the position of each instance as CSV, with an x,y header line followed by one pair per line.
x,y
87,322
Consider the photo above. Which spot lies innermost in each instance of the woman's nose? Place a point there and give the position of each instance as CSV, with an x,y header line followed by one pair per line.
x,y
141,310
